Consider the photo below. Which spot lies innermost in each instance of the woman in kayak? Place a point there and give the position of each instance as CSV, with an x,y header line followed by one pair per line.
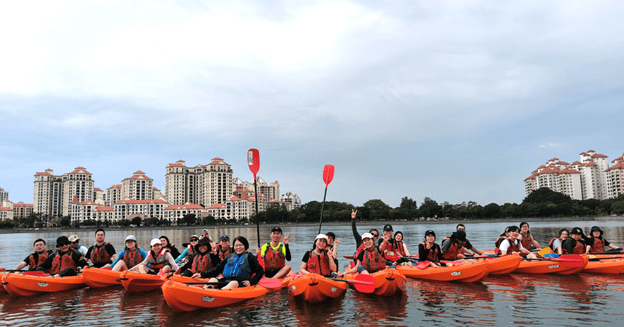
x,y
319,260
555,243
597,243
370,259
159,259
396,251
429,250
239,269
501,237
63,262
575,244
452,246
166,245
202,259
399,247
130,256
358,239
528,242
189,251
512,244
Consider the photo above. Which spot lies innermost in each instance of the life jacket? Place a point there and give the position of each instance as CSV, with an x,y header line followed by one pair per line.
x,y
160,261
99,255
499,240
201,263
318,264
237,268
190,251
274,260
513,246
432,254
550,244
399,248
579,248
527,241
62,262
453,250
373,261
357,252
41,258
222,254
598,246
132,258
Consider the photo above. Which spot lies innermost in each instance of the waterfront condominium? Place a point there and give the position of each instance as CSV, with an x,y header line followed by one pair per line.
x,y
615,178
137,187
203,184
53,195
4,195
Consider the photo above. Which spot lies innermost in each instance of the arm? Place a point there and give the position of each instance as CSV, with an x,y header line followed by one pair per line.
x,y
121,255
78,259
385,244
422,253
111,250
504,246
356,235
215,259
181,256
405,249
256,268
354,269
304,263
445,245
288,255
171,260
142,263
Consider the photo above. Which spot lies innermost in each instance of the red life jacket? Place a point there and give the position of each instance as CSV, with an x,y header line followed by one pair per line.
x,y
550,244
100,255
373,261
598,246
527,241
318,264
399,248
274,260
132,258
513,247
453,250
32,264
62,262
579,248
357,252
201,263
433,253
160,261
223,254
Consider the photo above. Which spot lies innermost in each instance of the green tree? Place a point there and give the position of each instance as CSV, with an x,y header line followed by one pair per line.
x,y
189,219
136,221
617,208
544,195
408,203
430,208
492,210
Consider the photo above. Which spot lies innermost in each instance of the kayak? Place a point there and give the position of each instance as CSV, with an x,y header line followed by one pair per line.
x,y
183,297
542,266
21,285
468,272
136,282
316,288
605,266
95,277
504,264
388,282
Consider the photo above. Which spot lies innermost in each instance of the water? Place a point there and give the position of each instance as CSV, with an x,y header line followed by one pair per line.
x,y
516,299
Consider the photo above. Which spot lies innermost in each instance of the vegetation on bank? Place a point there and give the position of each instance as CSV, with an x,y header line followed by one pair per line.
x,y
540,203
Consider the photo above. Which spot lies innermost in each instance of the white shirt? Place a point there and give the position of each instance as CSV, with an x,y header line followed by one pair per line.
x,y
505,245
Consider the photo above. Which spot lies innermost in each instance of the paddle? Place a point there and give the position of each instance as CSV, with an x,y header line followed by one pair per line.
x,y
612,252
253,160
264,282
543,252
362,283
348,256
568,260
27,273
328,175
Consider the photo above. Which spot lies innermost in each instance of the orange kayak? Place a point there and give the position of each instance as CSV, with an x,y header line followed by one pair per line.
x,y
95,277
469,272
504,264
549,267
182,297
136,282
605,266
388,282
2,289
20,285
316,288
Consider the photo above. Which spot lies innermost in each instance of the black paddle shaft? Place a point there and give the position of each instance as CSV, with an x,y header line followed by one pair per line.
x,y
322,207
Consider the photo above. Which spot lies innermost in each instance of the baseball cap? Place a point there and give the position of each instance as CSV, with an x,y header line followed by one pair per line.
x,y
388,228
278,229
130,238
596,228
155,241
367,235
225,237
576,230
74,238
322,236
430,232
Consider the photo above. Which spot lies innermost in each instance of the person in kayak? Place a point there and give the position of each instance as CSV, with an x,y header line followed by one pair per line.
x,y
75,244
224,249
466,243
202,259
189,251
575,244
37,258
63,262
596,242
101,253
320,260
555,243
399,248
205,235
159,260
275,254
167,245
512,244
358,239
130,256
528,242
370,259
331,237
429,250
502,237
452,246
239,269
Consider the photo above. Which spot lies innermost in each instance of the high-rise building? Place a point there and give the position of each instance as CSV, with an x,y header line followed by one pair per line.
x,y
203,184
4,195
53,195
137,187
615,178
113,194
292,201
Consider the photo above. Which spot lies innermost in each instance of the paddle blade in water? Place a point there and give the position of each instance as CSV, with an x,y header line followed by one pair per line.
x,y
328,174
270,283
253,160
364,283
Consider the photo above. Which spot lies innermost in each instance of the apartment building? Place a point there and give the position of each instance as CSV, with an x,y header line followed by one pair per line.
x,y
237,207
178,211
113,194
6,210
89,210
4,195
203,184
22,210
615,178
128,209
53,195
292,201
137,187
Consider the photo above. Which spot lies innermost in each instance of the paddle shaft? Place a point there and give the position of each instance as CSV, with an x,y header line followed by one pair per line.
x,y
257,213
322,207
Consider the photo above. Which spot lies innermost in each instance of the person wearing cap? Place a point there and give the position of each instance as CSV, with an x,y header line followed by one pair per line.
x,y
224,249
501,237
319,260
75,244
466,243
130,256
387,236
205,235
528,242
555,243
370,259
575,244
359,246
452,246
63,262
37,258
101,253
167,245
429,250
202,259
512,244
159,260
275,254
189,251
239,269
596,243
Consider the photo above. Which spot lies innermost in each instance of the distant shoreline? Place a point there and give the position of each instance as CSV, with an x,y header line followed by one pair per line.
x,y
333,223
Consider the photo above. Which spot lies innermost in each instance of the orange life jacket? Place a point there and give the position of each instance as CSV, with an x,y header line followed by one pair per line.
x,y
160,261
513,247
527,241
132,258
41,258
499,240
399,248
373,261
201,263
550,244
274,260
62,262
318,264
579,248
432,254
100,255
223,254
453,250
598,246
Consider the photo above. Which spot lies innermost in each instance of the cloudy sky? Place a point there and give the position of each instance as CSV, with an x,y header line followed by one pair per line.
x,y
456,101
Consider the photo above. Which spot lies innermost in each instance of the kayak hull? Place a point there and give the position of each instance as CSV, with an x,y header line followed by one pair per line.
x,y
96,278
182,297
136,282
388,282
467,272
20,285
504,264
549,267
316,288
605,266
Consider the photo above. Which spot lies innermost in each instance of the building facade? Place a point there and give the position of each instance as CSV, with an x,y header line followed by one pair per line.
x,y
53,195
291,200
137,187
203,184
4,195
615,178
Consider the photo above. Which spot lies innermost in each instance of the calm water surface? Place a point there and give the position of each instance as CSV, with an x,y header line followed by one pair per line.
x,y
583,299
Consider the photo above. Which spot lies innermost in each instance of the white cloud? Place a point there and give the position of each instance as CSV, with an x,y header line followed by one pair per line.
x,y
550,145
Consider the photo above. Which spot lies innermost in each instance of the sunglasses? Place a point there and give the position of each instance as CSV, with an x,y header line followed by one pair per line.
x,y
375,235
194,240
64,244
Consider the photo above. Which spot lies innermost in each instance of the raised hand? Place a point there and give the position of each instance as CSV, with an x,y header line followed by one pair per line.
x,y
353,213
286,238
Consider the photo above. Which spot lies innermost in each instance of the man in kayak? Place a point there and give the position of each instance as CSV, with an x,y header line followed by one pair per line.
x,y
64,262
189,251
275,254
224,249
159,260
596,242
201,261
501,237
512,244
369,260
466,243
452,246
239,269
75,245
130,256
555,243
101,253
37,258
576,243
320,260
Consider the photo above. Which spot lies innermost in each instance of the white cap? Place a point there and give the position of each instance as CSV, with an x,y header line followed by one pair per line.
x,y
322,236
155,241
367,235
130,238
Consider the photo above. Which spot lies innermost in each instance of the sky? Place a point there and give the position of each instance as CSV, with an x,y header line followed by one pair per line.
x,y
452,100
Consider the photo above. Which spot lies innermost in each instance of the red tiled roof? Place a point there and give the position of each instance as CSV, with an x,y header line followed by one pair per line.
x,y
217,206
235,198
75,200
576,163
618,166
175,165
86,202
217,161
140,201
184,206
618,159
154,189
80,170
563,163
570,171
97,189
530,177
590,164
104,208
22,204
598,155
138,172
43,174
5,209
139,176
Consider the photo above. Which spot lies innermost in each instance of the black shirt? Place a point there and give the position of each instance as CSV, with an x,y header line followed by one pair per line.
x,y
108,248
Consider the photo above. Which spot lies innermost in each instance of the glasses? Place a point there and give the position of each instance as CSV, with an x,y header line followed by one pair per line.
x,y
64,244
194,240
75,242
375,235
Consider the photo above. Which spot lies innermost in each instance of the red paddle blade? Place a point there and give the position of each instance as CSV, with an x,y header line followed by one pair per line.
x,y
35,273
270,283
363,283
328,174
107,268
2,269
253,160
423,264
571,260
